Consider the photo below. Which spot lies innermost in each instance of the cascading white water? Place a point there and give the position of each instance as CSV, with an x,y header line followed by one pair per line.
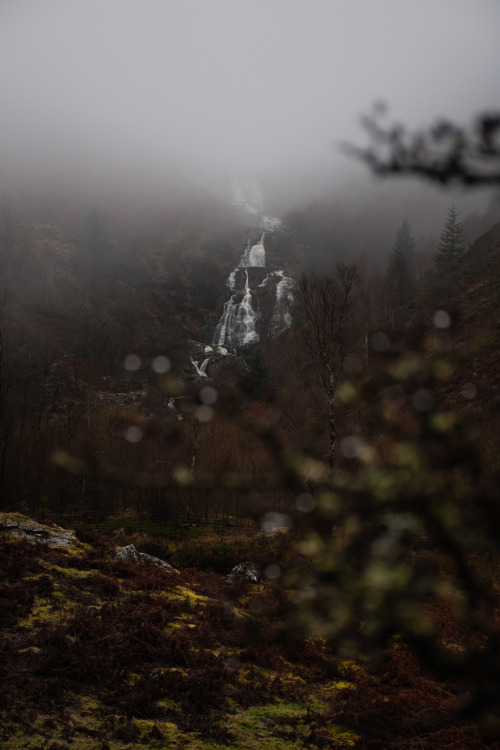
x,y
258,302
237,325
200,369
254,256
282,316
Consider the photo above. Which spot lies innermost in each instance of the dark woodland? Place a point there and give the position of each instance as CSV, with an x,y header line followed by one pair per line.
x,y
352,457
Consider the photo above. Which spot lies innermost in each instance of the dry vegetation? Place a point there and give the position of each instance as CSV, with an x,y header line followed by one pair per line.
x,y
97,653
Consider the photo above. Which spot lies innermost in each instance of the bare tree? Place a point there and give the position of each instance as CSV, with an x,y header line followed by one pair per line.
x,y
327,306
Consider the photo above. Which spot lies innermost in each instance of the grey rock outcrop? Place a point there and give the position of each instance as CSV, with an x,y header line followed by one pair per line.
x,y
25,528
129,554
245,572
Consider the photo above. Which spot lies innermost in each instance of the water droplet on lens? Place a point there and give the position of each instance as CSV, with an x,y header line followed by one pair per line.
x,y
134,433
394,396
273,572
204,413
161,364
469,391
132,362
351,446
305,502
208,395
442,319
276,522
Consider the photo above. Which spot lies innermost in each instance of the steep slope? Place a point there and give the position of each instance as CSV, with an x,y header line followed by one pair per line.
x,y
471,296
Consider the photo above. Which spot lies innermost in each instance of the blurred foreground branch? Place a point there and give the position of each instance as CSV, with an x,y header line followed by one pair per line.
x,y
444,152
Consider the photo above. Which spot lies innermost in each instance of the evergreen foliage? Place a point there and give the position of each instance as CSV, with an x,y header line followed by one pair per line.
x,y
451,245
259,372
401,262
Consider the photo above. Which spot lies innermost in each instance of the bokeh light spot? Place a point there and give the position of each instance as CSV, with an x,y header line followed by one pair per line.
x,y
423,400
134,433
441,319
305,502
204,413
161,364
273,572
208,395
469,391
132,362
276,522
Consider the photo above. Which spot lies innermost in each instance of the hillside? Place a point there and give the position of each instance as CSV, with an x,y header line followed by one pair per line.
x,y
98,653
471,297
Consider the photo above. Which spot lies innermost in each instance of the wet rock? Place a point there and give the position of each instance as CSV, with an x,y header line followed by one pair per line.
x,y
156,561
207,360
23,527
130,555
245,572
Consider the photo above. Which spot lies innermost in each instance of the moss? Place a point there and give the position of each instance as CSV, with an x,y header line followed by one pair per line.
x,y
276,710
69,572
267,727
253,733
42,611
186,594
165,731
29,650
179,623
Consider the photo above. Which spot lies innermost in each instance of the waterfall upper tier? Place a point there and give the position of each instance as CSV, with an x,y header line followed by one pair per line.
x,y
247,197
254,256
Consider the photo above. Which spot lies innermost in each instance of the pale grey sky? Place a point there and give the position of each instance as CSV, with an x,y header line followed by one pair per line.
x,y
230,85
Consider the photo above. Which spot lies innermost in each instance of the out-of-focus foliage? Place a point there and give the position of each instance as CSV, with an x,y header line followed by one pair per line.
x,y
410,530
445,152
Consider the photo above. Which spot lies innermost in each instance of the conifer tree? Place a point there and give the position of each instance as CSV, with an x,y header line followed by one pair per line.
x,y
451,245
401,261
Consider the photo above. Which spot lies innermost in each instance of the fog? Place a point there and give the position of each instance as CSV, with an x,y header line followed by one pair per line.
x,y
131,91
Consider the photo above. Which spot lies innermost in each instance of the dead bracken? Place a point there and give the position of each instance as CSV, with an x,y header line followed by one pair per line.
x,y
99,652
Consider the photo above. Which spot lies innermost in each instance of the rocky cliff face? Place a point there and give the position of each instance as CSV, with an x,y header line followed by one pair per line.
x,y
259,307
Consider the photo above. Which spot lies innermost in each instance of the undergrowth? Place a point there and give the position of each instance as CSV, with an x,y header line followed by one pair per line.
x,y
187,653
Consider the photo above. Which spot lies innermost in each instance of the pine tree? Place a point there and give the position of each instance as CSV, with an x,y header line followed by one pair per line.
x,y
451,245
401,261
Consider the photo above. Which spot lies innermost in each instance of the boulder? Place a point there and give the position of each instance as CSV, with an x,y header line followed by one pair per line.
x,y
245,572
156,561
26,528
130,555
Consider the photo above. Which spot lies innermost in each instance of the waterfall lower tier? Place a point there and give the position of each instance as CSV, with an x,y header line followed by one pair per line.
x,y
237,325
260,306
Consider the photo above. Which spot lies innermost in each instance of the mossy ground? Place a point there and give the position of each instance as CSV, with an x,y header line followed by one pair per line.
x,y
100,654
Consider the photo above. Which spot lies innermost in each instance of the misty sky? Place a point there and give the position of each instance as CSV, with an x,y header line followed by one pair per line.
x,y
236,86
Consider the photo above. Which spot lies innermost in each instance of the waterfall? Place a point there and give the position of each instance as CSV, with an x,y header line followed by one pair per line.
x,y
282,316
260,302
200,369
254,256
237,325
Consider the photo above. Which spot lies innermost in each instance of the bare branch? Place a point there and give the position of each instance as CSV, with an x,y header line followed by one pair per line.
x,y
444,152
